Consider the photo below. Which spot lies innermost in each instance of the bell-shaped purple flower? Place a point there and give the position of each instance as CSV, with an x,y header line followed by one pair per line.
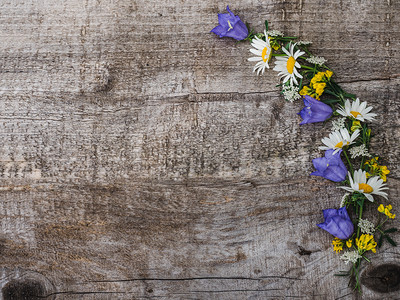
x,y
314,111
230,26
338,223
331,166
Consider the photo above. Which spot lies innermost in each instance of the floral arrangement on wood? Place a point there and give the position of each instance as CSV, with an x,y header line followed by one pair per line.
x,y
305,76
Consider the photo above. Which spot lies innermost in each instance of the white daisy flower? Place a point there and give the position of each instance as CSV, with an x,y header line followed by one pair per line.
x,y
357,110
286,65
373,186
338,139
263,51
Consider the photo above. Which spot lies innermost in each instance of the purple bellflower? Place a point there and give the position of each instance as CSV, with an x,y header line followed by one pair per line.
x,y
331,166
314,111
338,223
231,26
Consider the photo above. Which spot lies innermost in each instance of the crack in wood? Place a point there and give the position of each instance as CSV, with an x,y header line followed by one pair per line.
x,y
192,279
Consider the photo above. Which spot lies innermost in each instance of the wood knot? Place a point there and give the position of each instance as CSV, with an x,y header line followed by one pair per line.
x,y
23,289
96,77
383,278
23,285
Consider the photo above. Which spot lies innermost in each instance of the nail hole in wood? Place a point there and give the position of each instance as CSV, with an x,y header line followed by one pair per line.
x,y
384,278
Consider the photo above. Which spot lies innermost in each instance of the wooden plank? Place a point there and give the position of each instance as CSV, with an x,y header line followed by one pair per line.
x,y
141,158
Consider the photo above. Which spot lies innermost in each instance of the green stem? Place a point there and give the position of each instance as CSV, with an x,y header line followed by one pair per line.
x,y
306,67
359,216
366,259
287,37
356,271
348,161
306,50
380,225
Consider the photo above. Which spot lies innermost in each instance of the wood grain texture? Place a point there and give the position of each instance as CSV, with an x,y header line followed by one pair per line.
x,y
142,159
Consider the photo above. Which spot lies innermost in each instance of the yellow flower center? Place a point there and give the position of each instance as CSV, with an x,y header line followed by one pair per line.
x,y
355,113
264,55
365,187
290,64
339,145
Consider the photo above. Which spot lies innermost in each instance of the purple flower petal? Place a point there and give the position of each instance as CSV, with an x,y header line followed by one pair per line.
x,y
330,167
329,213
314,111
338,223
230,26
219,30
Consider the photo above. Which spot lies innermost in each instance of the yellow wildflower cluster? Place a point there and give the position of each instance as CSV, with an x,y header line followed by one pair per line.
x,y
375,169
337,245
356,125
366,242
274,44
386,210
317,85
349,243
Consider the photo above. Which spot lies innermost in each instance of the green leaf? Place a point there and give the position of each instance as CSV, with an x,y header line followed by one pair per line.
x,y
347,95
330,93
390,230
266,25
393,243
380,241
342,273
329,101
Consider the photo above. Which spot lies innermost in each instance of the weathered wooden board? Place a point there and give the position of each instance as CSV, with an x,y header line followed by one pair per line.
x,y
141,158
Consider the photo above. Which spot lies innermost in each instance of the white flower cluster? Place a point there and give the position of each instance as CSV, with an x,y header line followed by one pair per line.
x,y
350,256
344,199
274,33
304,43
317,60
338,124
366,226
359,151
291,92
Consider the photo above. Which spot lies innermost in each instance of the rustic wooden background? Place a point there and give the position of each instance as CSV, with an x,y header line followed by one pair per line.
x,y
141,158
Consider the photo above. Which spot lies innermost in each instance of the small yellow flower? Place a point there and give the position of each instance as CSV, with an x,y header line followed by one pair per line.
x,y
366,242
328,74
356,125
386,210
384,171
319,88
275,46
349,243
337,245
305,91
374,169
317,85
